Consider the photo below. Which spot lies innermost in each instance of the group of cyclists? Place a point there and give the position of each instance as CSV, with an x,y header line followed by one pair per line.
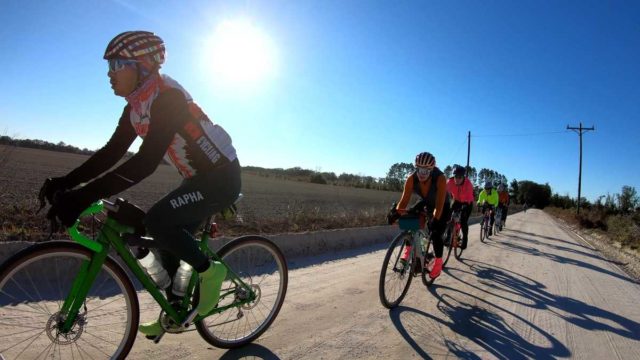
x,y
160,111
440,197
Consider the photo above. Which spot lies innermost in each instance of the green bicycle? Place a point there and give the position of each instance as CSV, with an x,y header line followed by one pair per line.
x,y
72,300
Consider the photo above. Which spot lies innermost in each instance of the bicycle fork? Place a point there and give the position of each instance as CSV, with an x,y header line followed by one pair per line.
x,y
80,288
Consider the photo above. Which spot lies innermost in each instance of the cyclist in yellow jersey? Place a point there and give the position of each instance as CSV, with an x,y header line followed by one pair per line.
x,y
488,198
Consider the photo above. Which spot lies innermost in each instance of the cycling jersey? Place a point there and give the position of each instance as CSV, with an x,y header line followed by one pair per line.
x,y
172,126
461,193
491,199
434,199
503,198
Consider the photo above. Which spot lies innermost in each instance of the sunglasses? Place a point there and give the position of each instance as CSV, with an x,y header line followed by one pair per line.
x,y
119,64
423,171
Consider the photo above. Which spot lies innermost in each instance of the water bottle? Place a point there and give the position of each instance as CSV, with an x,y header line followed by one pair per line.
x,y
423,244
181,279
154,269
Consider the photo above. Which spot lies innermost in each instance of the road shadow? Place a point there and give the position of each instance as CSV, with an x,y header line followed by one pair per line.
x,y
547,237
475,325
518,288
302,262
533,251
250,351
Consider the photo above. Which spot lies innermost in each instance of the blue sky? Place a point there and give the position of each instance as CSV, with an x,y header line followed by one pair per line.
x,y
357,86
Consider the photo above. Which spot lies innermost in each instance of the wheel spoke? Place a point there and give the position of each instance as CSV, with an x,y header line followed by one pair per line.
x,y
94,333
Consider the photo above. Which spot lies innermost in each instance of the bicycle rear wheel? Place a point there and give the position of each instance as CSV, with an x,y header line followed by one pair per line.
x,y
33,287
457,250
261,265
395,277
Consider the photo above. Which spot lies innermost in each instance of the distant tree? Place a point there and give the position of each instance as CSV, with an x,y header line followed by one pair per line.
x,y
472,174
534,194
317,179
628,200
330,177
397,174
514,190
447,171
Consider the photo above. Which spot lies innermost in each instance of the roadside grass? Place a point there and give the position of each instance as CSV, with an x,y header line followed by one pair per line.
x,y
621,229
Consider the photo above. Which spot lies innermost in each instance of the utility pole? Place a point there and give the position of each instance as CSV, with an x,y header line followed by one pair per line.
x,y
579,131
468,150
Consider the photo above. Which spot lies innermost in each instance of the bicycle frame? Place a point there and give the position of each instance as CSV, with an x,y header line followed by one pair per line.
x,y
416,233
416,249
109,236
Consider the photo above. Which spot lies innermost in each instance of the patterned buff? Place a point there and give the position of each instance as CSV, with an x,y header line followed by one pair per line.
x,y
149,88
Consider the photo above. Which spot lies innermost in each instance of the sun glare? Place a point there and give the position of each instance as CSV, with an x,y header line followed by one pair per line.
x,y
240,53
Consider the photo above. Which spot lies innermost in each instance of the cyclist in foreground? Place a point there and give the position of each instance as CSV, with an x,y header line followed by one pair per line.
x,y
488,201
461,191
430,184
172,126
503,202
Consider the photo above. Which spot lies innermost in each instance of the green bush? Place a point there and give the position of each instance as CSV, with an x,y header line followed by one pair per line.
x,y
624,229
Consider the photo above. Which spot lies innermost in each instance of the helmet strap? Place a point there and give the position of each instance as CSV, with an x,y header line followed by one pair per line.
x,y
143,73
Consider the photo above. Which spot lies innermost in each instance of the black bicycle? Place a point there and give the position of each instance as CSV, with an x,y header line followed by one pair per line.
x,y
406,258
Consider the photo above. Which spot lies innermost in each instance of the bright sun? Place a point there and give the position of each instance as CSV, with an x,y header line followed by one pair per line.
x,y
240,53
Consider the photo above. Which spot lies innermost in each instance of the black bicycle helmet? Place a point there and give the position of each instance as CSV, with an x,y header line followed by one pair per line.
x,y
459,171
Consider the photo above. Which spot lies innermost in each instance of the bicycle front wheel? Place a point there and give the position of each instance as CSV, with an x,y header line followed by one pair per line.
x,y
33,287
396,275
448,242
483,230
259,263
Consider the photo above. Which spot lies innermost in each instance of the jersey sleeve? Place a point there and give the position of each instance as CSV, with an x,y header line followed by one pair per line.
x,y
167,113
441,196
103,159
406,194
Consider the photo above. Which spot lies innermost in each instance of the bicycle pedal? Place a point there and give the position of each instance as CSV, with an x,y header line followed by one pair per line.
x,y
158,338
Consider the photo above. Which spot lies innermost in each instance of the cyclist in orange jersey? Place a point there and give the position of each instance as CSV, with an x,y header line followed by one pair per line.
x,y
503,202
430,184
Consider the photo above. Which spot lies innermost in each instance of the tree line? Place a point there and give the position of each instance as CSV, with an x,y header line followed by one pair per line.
x,y
521,192
45,145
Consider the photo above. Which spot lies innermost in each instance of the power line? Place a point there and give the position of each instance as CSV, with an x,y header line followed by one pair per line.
x,y
523,134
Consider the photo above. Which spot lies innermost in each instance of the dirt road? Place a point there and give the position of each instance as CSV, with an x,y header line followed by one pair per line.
x,y
534,291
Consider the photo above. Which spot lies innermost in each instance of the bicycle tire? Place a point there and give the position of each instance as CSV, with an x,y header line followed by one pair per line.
x,y
24,312
448,239
403,276
238,252
483,231
426,280
457,251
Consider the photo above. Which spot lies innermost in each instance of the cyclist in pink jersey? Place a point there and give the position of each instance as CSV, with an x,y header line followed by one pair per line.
x,y
461,190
